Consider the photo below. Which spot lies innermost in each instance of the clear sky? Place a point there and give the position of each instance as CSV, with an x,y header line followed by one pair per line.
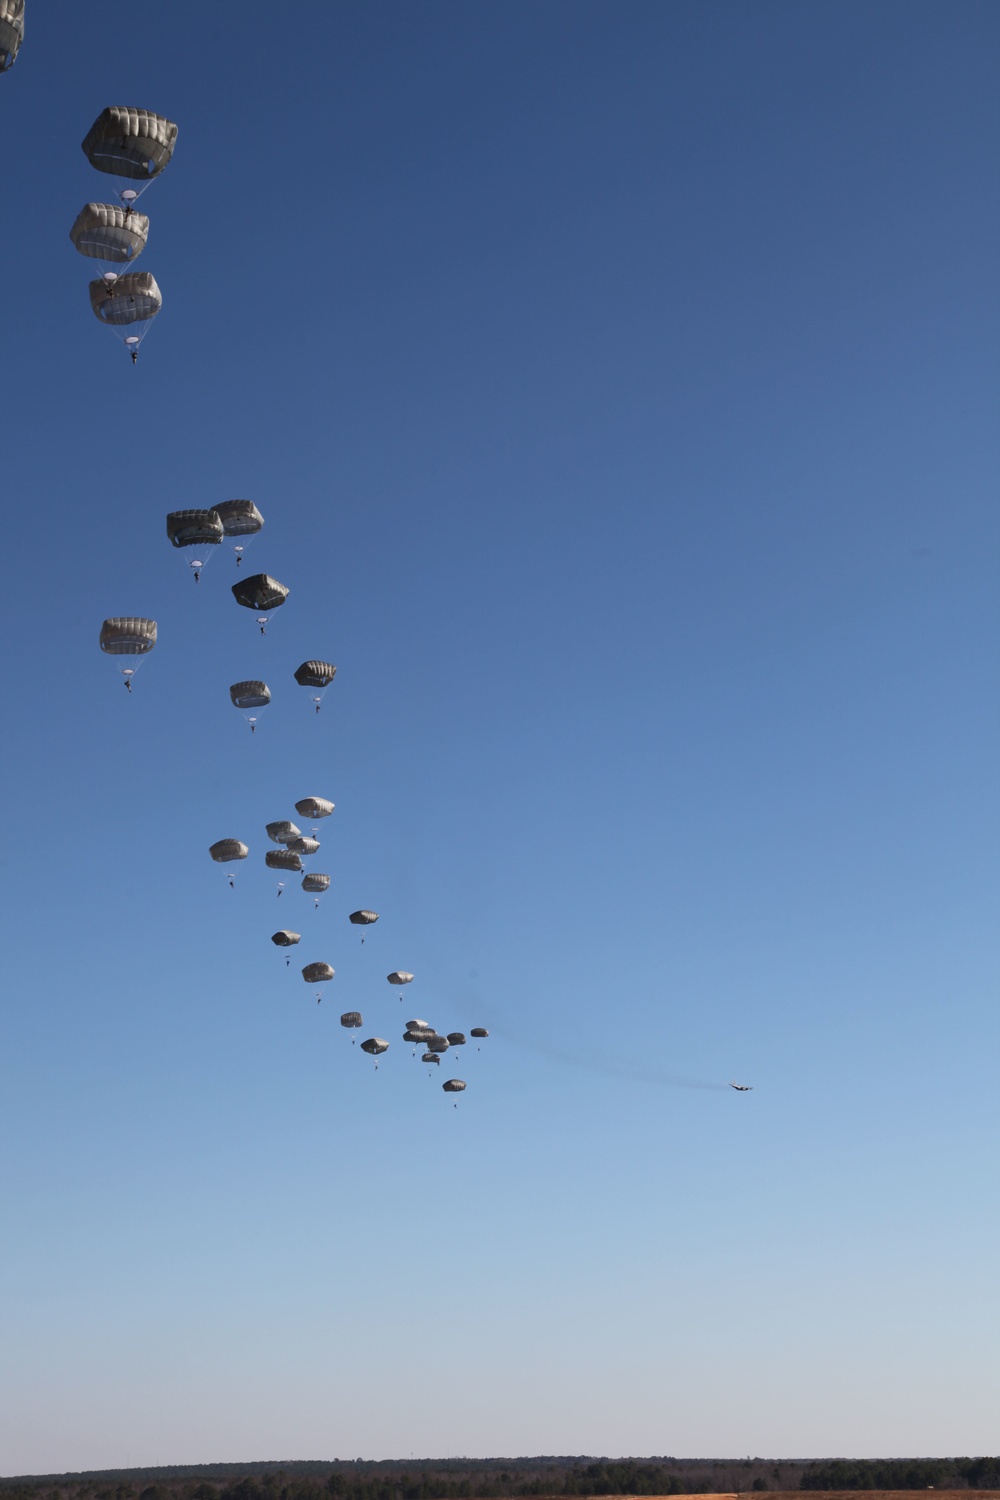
x,y
619,386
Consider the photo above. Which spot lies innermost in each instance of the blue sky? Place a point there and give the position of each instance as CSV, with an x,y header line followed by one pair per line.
x,y
619,386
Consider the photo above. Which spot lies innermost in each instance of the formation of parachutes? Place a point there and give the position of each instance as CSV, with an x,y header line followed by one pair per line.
x,y
133,146
130,639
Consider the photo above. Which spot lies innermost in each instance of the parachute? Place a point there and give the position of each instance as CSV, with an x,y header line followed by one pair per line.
x,y
195,528
314,807
437,1044
228,849
315,883
453,1086
317,973
128,636
11,32
351,1018
456,1038
241,519
128,302
479,1031
285,939
303,845
108,234
375,1045
417,1026
318,675
281,833
399,976
283,859
363,918
431,1057
261,592
253,694
133,145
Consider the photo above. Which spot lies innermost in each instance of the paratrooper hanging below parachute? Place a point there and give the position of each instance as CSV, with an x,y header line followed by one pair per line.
x,y
130,301
241,519
224,851
285,939
195,528
363,919
317,974
316,674
315,884
253,694
261,592
130,636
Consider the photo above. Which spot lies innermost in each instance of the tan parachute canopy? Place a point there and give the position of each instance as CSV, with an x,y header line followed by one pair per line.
x,y
430,1057
251,694
281,833
11,31
437,1044
281,859
304,845
129,142
259,592
351,1018
315,674
128,635
456,1038
375,1045
314,882
102,231
399,976
314,807
317,973
132,298
194,528
227,849
479,1031
363,918
239,517
285,939
453,1086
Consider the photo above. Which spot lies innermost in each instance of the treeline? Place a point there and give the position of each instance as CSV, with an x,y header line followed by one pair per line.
x,y
903,1474
503,1479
